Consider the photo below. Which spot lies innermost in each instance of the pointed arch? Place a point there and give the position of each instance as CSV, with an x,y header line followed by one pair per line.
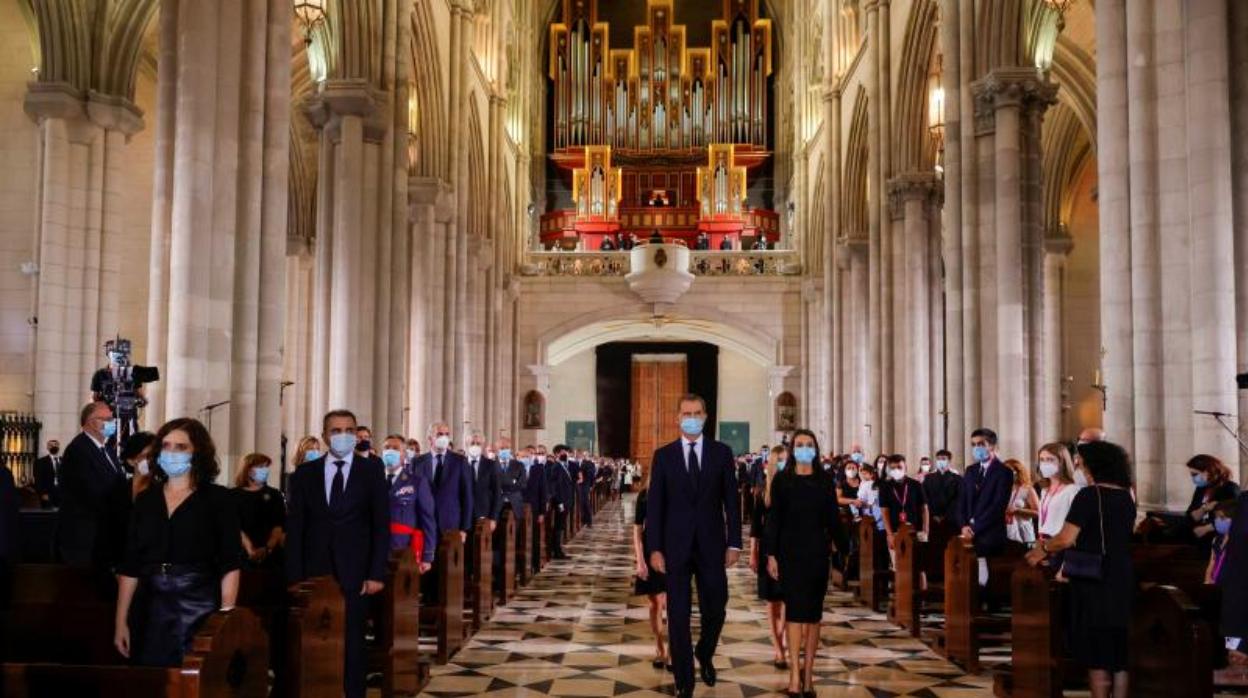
x,y
477,211
426,111
913,149
92,46
1066,151
854,207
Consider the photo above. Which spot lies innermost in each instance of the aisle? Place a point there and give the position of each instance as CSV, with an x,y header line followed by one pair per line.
x,y
578,631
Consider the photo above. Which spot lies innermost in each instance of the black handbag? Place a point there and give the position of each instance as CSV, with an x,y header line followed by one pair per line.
x,y
1081,564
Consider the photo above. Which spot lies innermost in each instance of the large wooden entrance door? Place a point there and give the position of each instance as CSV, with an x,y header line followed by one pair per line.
x,y
658,382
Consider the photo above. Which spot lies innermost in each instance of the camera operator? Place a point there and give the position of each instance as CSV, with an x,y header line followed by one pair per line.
x,y
120,386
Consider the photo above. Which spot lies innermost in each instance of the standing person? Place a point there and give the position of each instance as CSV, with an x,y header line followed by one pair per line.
x,y
768,588
802,528
48,476
339,524
1053,463
902,502
537,496
10,507
1213,485
411,504
487,486
309,449
984,497
588,472
1023,507
650,583
137,456
1102,584
451,481
182,552
364,442
512,479
941,489
694,530
559,483
1233,622
90,477
261,511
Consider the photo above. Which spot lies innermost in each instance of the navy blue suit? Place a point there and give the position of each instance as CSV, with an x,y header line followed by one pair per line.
x,y
588,473
90,477
537,496
350,540
693,525
411,508
559,484
452,491
982,503
487,489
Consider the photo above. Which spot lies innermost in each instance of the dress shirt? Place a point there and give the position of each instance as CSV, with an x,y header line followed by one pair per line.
x,y
697,448
331,470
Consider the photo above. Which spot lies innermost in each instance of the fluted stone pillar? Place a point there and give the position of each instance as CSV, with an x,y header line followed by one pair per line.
x,y
954,403
429,201
859,428
221,247
832,331
81,137
875,339
1057,246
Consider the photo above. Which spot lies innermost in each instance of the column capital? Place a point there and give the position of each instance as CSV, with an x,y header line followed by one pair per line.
x,y
1025,88
1058,242
848,247
335,99
924,187
60,100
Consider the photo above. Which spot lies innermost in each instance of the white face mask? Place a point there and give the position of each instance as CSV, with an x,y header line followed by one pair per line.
x,y
474,451
141,467
1080,478
442,442
897,474
1048,468
925,467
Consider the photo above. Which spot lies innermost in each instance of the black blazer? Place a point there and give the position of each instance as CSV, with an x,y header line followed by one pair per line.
x,y
88,483
559,482
677,515
45,482
9,504
487,489
350,541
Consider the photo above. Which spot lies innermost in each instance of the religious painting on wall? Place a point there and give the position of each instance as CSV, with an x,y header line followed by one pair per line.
x,y
534,410
736,435
581,436
786,412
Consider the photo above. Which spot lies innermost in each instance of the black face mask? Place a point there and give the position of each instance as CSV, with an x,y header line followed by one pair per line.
x,y
54,450
563,458
364,446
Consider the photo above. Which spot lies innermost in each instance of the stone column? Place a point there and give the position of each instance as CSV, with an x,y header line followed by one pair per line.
x,y
873,369
954,403
1057,246
77,233
424,359
859,427
968,261
832,331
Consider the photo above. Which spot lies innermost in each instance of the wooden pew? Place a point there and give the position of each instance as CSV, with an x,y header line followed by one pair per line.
x,y
479,583
842,577
1172,646
552,512
314,644
56,640
1039,667
405,669
541,542
524,543
505,572
915,561
964,622
444,617
873,573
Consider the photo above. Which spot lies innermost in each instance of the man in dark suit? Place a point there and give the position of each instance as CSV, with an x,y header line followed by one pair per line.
x,y
536,494
693,527
984,497
513,479
562,490
10,503
585,484
339,524
487,485
942,488
90,474
48,476
452,483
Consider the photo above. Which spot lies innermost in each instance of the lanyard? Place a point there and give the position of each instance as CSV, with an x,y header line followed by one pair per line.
x,y
1049,494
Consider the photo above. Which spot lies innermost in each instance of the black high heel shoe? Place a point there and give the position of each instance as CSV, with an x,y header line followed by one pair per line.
x,y
808,690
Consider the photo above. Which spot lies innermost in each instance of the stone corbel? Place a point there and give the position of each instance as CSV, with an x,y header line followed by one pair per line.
x,y
423,192
848,247
810,290
113,113
347,97
776,376
909,186
1058,242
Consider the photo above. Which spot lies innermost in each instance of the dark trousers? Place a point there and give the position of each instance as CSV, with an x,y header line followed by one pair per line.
x,y
556,541
355,655
587,511
712,582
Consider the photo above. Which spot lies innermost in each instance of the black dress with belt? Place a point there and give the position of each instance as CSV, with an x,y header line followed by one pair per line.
x,y
655,582
802,525
768,588
179,560
1100,610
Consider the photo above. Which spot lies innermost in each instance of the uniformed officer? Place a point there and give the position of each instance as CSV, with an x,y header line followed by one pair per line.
x,y
411,504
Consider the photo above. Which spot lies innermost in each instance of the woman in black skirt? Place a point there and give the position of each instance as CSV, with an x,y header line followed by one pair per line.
x,y
183,550
649,583
1098,527
802,526
768,588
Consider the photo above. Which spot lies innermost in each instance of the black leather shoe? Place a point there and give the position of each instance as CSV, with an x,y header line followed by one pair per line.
x,y
684,693
707,670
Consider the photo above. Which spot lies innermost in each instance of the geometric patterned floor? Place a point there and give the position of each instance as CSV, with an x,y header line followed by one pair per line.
x,y
577,630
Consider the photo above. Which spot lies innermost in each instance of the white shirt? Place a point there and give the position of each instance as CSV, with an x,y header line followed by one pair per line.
x,y
1054,506
331,470
697,448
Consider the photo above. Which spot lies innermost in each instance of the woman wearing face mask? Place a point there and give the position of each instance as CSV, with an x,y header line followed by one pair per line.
x,y
1223,515
1024,506
261,511
847,488
1053,464
648,582
768,588
182,553
802,526
1097,536
137,456
309,449
1213,485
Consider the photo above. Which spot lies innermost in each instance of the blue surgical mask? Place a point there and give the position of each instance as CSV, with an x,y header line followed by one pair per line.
x,y
109,429
260,475
528,461
980,454
1200,480
780,465
942,465
804,454
691,425
342,444
504,454
311,454
1222,525
392,458
857,458
174,464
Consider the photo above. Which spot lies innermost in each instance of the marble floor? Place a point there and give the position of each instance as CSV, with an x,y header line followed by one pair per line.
x,y
576,630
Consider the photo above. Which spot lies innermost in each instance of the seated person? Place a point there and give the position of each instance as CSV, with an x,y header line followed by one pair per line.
x,y
608,245
725,244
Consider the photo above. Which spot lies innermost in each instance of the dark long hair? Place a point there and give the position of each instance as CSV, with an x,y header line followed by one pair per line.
x,y
204,466
817,469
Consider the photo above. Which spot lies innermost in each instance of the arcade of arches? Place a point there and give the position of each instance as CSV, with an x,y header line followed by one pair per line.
x,y
890,221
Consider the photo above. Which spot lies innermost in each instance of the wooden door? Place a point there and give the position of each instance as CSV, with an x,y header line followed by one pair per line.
x,y
658,381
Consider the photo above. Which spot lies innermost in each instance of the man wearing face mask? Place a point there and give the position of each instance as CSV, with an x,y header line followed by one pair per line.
x,y
487,486
536,495
512,477
693,527
984,497
587,473
562,490
339,524
48,476
90,477
364,441
941,488
411,505
451,482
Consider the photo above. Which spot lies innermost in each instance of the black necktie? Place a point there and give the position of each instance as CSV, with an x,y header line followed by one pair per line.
x,y
437,470
391,479
335,489
694,471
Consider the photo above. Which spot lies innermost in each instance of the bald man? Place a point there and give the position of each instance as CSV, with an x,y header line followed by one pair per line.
x,y
1091,434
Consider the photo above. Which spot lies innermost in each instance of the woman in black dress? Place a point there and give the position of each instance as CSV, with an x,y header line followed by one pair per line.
x,y
182,551
1099,523
651,584
261,512
768,588
802,525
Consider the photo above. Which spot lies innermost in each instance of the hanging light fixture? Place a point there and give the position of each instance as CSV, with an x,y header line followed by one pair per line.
x,y
936,113
1060,7
311,14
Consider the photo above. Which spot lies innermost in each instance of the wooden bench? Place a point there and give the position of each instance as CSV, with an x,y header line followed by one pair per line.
x,y
397,652
505,569
525,539
873,565
314,643
914,562
443,617
849,571
965,623
479,583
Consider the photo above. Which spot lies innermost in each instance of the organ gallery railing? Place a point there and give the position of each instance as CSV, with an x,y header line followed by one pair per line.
x,y
703,263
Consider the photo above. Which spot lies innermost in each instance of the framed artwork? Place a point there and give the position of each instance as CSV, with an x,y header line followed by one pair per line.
x,y
736,435
534,410
786,412
581,436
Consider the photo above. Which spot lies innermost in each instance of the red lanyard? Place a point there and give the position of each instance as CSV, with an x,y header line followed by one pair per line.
x,y
1049,494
